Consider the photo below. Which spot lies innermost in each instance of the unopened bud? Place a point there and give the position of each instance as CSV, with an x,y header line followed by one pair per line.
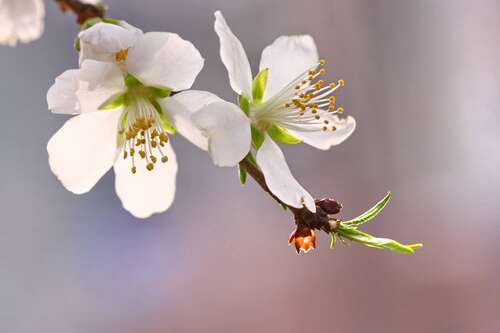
x,y
330,206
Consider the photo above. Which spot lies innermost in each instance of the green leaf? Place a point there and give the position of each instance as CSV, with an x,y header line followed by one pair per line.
x,y
257,138
164,121
113,102
280,134
244,104
259,85
371,213
131,81
333,242
243,175
357,236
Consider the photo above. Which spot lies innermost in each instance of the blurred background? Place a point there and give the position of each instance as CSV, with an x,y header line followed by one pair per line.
x,y
423,81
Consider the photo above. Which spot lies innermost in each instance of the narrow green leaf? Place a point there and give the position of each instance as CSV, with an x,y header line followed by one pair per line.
x,y
257,138
280,134
259,85
243,175
113,102
333,242
244,104
357,236
371,213
164,121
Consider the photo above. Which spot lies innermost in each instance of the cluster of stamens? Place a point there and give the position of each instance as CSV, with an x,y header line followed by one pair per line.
x,y
311,94
145,137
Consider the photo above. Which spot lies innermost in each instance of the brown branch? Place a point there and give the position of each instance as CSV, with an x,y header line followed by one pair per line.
x,y
82,10
303,217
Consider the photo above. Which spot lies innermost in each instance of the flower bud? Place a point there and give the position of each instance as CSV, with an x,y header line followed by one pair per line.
x,y
330,206
303,238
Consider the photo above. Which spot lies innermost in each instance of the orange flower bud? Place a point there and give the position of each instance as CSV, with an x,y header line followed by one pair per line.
x,y
303,238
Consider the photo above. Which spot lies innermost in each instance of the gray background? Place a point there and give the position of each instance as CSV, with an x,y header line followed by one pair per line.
x,y
423,83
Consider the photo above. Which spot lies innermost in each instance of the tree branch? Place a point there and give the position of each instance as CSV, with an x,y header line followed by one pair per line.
x,y
303,217
82,10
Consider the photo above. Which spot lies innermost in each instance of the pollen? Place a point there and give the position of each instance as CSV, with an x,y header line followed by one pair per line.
x,y
310,100
145,135
121,55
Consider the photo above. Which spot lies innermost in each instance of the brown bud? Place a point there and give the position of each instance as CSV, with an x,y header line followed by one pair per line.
x,y
330,206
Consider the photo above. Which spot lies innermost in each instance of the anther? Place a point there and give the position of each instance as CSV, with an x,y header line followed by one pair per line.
x,y
150,166
341,83
142,153
164,159
134,170
322,62
153,158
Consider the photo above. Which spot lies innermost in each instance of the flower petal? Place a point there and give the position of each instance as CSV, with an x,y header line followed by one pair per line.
x,y
86,89
228,132
62,97
279,178
99,81
287,58
84,149
326,139
179,110
234,57
146,192
103,40
164,60
21,21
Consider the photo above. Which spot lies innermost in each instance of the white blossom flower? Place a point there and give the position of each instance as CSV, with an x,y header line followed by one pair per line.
x,y
123,115
21,20
287,102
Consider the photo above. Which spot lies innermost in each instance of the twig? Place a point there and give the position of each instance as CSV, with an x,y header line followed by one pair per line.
x,y
82,10
303,217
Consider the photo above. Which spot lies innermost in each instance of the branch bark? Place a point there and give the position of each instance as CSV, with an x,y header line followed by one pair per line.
x,y
303,217
82,10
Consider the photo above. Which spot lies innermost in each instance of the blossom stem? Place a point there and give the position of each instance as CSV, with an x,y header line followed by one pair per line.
x,y
82,10
319,220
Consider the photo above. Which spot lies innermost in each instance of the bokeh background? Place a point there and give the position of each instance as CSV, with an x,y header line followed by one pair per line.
x,y
423,82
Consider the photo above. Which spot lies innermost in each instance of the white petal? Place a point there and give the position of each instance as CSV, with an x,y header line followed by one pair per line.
x,y
228,132
62,97
326,139
287,58
21,21
103,40
164,60
84,149
86,89
179,110
234,57
146,192
279,178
